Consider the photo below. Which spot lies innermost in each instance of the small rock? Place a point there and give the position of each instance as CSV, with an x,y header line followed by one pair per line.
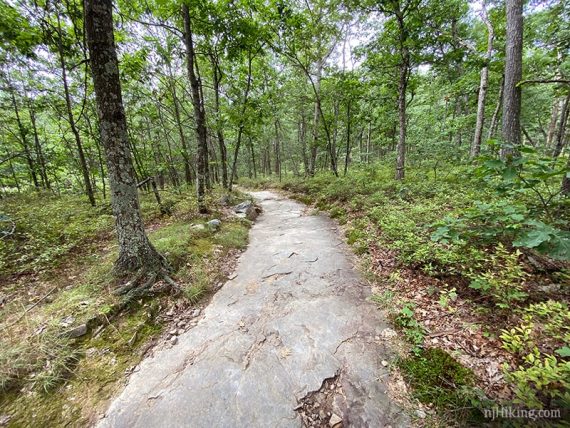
x,y
385,363
198,227
196,312
252,212
180,331
173,332
335,420
332,386
322,415
388,333
421,414
181,324
174,340
551,288
67,321
78,331
214,224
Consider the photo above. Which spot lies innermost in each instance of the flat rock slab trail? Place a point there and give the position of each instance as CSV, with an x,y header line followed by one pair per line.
x,y
292,323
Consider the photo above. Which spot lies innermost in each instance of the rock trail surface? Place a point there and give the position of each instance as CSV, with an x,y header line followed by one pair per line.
x,y
293,321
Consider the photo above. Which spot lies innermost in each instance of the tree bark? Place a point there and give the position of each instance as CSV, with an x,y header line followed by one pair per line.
x,y
402,87
241,127
495,118
199,112
551,134
177,117
511,128
347,156
71,118
217,78
24,138
483,85
561,137
135,250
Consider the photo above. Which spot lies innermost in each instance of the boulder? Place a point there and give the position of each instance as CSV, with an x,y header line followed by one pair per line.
x,y
243,207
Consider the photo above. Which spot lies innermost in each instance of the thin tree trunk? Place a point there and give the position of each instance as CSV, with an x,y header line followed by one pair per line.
x,y
233,175
551,134
71,118
561,137
402,86
483,85
177,117
39,150
565,189
511,128
199,112
495,118
347,157
135,250
23,137
217,77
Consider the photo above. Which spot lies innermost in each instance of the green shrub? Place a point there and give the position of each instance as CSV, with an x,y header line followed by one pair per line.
x,y
503,279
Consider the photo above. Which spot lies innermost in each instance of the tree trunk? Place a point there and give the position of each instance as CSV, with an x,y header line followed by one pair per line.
x,y
495,118
24,138
71,118
511,128
483,85
302,135
565,189
177,117
316,117
402,86
347,157
560,138
241,127
217,77
553,122
199,112
135,250
39,150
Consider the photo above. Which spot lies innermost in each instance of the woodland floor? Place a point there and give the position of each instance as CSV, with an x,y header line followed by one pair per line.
x,y
290,340
57,279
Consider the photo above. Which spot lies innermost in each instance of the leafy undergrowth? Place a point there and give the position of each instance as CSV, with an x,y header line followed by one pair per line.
x,y
472,263
47,376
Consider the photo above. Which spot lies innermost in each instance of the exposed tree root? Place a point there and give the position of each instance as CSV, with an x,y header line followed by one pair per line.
x,y
143,284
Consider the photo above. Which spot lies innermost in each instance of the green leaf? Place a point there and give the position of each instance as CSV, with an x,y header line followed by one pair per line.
x,y
563,352
532,239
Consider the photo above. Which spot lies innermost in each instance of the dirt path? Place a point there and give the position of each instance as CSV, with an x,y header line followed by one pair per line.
x,y
291,336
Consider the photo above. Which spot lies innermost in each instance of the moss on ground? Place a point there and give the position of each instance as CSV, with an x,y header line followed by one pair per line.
x,y
49,379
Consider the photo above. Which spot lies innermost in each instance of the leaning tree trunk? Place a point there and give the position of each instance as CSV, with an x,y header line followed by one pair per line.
x,y
511,128
135,250
199,112
483,85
